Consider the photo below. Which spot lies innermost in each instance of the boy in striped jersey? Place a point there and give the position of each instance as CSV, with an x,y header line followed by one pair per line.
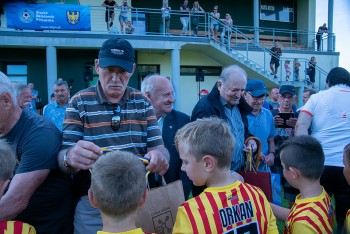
x,y
226,205
346,160
302,160
7,167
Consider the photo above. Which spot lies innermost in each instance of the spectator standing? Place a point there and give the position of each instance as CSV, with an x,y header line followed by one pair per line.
x,y
35,95
185,16
110,116
195,12
276,52
312,70
129,29
283,133
39,193
24,97
109,15
226,30
327,112
287,69
274,102
118,203
322,29
159,90
214,25
123,16
296,66
7,167
203,93
260,120
55,111
165,17
306,96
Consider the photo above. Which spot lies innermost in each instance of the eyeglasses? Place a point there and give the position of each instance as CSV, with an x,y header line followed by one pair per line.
x,y
257,98
115,122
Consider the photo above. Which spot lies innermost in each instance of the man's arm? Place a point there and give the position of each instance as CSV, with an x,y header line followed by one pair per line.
x,y
303,124
280,212
159,159
21,189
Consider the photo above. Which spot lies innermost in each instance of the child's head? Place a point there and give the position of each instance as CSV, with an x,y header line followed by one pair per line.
x,y
128,23
346,161
204,143
7,164
305,154
118,183
287,61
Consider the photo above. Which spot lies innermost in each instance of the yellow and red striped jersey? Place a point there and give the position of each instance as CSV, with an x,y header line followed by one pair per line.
x,y
16,227
311,215
347,222
236,208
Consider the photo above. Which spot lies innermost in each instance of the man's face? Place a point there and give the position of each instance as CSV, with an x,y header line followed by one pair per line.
x,y
25,98
114,81
286,101
162,98
231,91
194,170
306,96
61,93
31,86
254,102
274,94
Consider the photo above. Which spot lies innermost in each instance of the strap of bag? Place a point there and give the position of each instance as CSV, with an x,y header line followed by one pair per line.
x,y
252,160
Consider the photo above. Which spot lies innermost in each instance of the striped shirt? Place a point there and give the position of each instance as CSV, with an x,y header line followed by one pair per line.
x,y
236,208
16,227
89,114
311,215
347,222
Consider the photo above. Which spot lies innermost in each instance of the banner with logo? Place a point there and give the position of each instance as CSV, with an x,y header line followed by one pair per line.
x,y
21,15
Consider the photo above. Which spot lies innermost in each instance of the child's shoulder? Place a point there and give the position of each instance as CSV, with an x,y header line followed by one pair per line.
x,y
16,227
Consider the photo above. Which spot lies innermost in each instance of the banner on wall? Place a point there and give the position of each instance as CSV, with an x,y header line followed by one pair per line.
x,y
21,15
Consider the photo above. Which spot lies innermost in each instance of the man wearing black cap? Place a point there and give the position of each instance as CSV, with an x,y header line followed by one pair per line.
x,y
285,119
260,120
105,117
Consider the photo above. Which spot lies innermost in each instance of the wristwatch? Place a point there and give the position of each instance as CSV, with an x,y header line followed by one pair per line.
x,y
65,163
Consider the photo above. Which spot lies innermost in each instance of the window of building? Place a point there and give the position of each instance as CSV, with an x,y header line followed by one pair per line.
x,y
17,73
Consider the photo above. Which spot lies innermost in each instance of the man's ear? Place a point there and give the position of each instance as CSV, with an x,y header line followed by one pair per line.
x,y
144,198
97,66
148,95
92,200
6,99
219,83
209,162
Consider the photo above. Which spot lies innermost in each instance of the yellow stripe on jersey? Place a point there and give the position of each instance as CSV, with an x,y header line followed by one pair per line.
x,y
16,227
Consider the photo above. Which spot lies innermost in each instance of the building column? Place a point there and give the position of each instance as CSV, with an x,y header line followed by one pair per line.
x,y
331,39
256,16
51,65
175,75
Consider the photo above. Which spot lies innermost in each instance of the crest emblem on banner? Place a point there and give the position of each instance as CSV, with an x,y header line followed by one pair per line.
x,y
26,15
73,17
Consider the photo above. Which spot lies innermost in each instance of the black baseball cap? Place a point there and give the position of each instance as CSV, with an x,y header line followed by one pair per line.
x,y
116,52
287,89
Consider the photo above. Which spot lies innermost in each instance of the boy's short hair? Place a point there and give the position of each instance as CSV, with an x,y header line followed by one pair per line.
x,y
304,153
347,152
208,136
118,183
7,161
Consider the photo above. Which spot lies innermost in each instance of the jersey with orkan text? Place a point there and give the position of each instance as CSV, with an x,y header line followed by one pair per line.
x,y
311,215
236,208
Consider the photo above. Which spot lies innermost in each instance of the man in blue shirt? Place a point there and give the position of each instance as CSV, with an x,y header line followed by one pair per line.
x,y
55,111
260,120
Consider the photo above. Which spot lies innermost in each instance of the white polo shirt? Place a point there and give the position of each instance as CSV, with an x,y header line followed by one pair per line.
x,y
330,112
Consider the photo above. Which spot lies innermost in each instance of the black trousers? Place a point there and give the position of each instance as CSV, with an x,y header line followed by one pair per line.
x,y
334,182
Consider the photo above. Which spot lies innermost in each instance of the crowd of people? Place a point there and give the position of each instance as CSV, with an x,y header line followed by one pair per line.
x,y
59,179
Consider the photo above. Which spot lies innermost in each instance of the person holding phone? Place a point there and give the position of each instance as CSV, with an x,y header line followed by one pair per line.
x,y
285,119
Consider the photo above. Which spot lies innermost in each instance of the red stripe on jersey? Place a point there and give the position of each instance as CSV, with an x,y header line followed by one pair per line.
x,y
17,227
191,218
307,219
203,214
215,208
319,216
262,227
298,207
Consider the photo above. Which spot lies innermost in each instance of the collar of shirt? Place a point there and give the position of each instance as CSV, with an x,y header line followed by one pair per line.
x,y
225,103
161,122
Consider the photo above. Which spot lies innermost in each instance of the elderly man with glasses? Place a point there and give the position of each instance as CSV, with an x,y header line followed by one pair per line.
x,y
108,116
285,120
260,120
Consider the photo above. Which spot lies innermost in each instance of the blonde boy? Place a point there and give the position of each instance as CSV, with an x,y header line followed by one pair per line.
x,y
118,188
302,160
206,147
7,167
